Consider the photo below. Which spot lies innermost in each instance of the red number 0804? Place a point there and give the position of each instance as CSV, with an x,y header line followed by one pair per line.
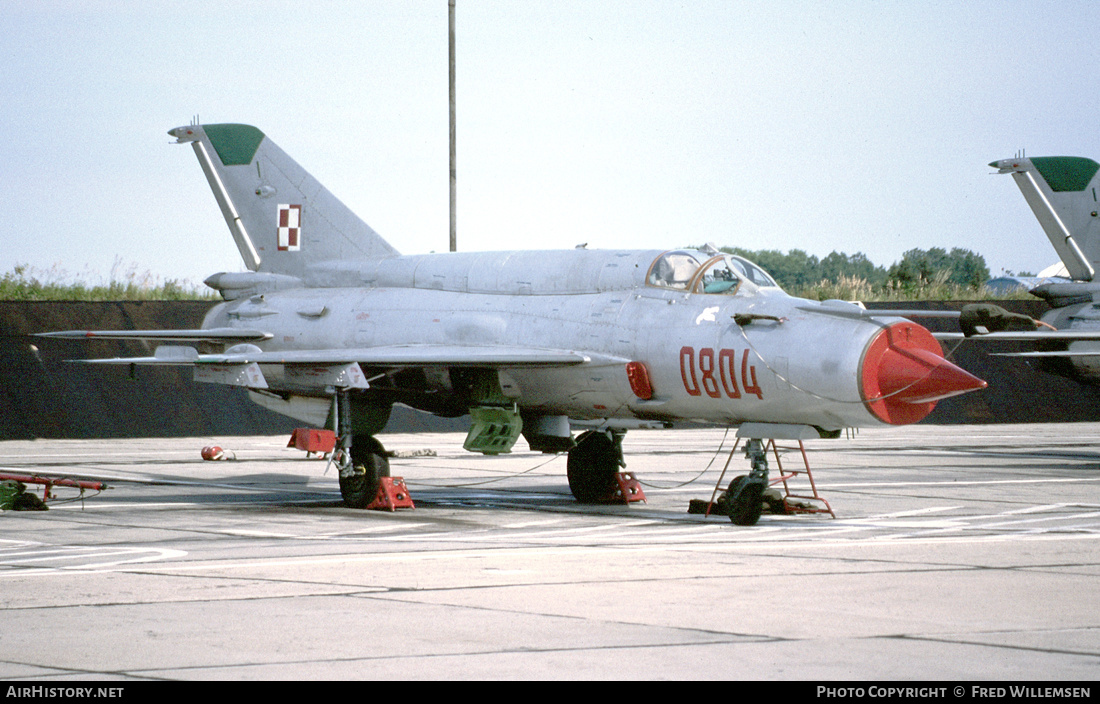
x,y
715,374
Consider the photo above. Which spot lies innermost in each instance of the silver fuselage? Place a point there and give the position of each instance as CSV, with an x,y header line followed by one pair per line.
x,y
801,368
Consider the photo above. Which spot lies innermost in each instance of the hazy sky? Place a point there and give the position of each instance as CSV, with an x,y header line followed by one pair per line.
x,y
849,126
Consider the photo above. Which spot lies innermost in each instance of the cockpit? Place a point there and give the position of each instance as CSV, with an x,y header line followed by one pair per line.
x,y
697,272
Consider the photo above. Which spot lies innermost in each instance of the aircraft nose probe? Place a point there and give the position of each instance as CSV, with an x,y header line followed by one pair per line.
x,y
904,374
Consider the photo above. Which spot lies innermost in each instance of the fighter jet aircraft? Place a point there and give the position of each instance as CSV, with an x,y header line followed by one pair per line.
x,y
332,326
1062,192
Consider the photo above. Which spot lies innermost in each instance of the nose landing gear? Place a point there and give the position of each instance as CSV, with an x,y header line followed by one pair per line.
x,y
745,495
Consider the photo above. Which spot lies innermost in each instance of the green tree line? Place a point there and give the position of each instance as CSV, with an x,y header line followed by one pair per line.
x,y
920,274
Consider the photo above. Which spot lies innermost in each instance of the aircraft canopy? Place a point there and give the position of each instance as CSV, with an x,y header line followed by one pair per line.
x,y
697,272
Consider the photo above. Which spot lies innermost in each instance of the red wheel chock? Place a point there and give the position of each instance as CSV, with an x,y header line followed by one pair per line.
x,y
312,440
627,490
392,495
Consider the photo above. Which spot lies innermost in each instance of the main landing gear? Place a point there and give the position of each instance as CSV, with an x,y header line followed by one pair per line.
x,y
593,464
360,459
361,470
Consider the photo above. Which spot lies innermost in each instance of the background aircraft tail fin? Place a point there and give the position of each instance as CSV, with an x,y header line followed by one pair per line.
x,y
1063,193
281,218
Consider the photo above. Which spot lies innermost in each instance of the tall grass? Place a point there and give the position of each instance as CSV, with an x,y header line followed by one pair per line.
x,y
25,283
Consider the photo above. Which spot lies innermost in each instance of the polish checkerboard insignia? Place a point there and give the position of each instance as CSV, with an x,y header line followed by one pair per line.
x,y
290,228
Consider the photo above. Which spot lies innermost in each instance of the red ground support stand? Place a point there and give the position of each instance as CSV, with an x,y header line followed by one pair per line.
x,y
786,475
628,490
312,440
392,495
48,483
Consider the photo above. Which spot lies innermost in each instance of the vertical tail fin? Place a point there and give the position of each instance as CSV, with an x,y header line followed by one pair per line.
x,y
281,218
1062,192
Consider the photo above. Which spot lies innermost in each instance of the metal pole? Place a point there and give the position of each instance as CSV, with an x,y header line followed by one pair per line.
x,y
454,172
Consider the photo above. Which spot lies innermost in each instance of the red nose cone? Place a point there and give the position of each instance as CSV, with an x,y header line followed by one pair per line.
x,y
904,374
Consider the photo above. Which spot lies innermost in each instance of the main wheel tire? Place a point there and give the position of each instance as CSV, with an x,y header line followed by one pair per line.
x,y
369,464
592,466
745,501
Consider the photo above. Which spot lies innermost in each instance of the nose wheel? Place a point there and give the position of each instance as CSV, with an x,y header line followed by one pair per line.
x,y
745,495
745,501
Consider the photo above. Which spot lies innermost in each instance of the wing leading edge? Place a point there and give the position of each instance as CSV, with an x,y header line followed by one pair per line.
x,y
393,356
240,364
